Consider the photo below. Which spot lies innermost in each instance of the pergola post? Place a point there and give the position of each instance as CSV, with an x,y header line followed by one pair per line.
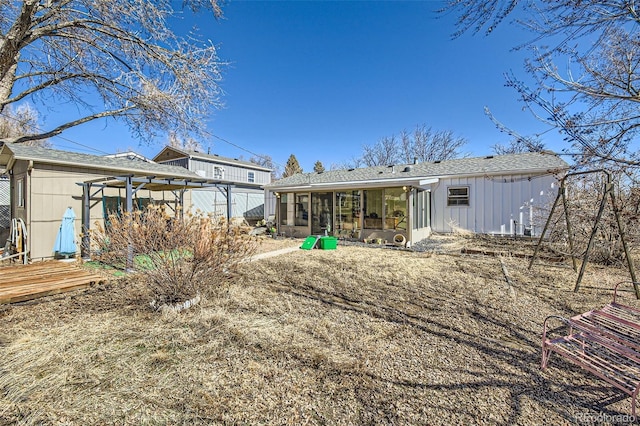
x,y
229,212
129,210
85,248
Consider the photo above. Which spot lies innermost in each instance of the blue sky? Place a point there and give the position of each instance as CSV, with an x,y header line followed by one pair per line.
x,y
322,79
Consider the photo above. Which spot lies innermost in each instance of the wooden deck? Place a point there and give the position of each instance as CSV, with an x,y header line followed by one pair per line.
x,y
25,282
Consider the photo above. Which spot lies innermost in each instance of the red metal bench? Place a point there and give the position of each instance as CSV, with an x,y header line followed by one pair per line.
x,y
605,342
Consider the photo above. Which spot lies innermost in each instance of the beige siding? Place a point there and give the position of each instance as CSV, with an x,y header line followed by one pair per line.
x,y
52,190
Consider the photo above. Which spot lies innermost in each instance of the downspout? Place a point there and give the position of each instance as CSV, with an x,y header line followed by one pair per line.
x,y
410,210
28,221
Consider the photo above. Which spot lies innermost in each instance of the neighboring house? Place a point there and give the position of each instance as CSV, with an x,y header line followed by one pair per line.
x,y
405,203
44,182
248,196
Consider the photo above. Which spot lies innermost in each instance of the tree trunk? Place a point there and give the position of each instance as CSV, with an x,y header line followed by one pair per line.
x,y
10,49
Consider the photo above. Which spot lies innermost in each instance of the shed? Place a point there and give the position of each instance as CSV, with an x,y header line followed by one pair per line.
x,y
45,182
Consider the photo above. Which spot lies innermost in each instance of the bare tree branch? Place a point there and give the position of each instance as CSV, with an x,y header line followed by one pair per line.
x,y
592,100
114,59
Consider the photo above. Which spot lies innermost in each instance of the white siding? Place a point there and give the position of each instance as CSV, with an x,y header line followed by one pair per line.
x,y
494,202
232,173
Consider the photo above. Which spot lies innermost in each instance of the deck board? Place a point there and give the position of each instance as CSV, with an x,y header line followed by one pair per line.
x,y
19,283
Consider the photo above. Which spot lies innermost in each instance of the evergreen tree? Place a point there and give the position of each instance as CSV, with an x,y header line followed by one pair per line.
x,y
292,167
318,167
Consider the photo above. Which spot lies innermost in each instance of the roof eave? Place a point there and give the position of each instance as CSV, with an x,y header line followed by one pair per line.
x,y
117,170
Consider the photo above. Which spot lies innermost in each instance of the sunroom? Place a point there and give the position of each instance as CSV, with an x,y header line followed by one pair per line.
x,y
395,214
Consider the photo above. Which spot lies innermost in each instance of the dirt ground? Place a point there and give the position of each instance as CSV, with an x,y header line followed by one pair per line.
x,y
357,335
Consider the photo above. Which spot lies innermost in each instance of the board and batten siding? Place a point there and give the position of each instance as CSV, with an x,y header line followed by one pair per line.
x,y
234,173
494,203
245,203
51,189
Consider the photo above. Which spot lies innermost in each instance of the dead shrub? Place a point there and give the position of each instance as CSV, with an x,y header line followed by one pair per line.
x,y
584,196
177,258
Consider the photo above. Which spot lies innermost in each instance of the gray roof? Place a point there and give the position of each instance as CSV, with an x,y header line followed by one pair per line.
x,y
531,162
214,158
115,165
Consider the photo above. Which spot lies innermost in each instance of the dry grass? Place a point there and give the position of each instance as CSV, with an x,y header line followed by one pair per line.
x,y
351,336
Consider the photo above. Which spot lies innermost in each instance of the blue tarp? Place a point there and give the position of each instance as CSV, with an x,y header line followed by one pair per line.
x,y
66,240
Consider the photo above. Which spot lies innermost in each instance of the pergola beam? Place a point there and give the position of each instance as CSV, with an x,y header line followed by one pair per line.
x,y
132,184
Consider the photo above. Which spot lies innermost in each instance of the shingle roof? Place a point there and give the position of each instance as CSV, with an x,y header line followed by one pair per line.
x,y
117,165
532,162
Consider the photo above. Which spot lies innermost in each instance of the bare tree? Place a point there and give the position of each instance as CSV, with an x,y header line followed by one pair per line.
x,y
423,144
187,143
426,145
518,142
264,160
592,97
117,59
22,120
353,163
383,153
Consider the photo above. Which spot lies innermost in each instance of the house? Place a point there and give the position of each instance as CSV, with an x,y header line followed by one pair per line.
x,y
247,199
503,194
43,183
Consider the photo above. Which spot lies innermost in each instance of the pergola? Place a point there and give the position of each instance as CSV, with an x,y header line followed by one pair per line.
x,y
132,184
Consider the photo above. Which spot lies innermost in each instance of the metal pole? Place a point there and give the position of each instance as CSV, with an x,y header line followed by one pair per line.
x,y
229,212
129,211
593,234
563,189
85,249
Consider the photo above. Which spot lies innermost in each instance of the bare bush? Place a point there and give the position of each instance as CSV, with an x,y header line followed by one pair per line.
x,y
178,258
584,196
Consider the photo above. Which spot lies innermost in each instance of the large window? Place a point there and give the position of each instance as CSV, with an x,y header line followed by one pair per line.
x,y
321,213
458,196
372,209
347,213
421,209
301,210
395,206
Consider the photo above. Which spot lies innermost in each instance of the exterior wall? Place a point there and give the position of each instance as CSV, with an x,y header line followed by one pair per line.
x,y
180,162
5,207
420,203
50,192
232,173
494,203
245,203
270,204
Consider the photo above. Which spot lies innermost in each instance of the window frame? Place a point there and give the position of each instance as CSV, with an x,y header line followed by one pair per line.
x,y
20,202
218,172
458,200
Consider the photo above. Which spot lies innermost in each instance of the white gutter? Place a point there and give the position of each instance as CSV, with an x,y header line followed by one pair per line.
x,y
426,183
418,182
